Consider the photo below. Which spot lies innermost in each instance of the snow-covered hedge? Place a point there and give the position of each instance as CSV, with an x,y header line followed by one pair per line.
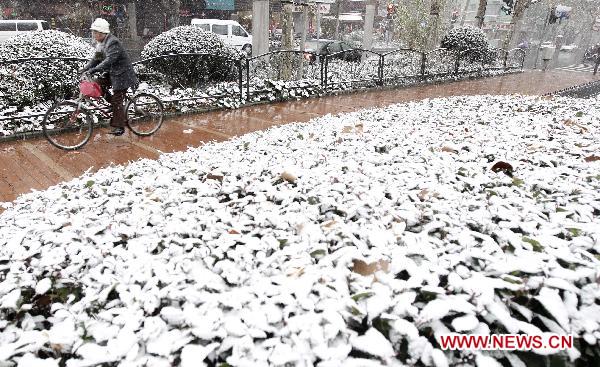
x,y
467,38
25,83
354,240
191,71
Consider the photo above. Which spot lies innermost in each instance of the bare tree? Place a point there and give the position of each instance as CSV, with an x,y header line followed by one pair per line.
x,y
171,12
411,23
480,17
517,14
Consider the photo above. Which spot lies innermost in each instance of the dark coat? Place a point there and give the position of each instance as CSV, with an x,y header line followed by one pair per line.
x,y
116,62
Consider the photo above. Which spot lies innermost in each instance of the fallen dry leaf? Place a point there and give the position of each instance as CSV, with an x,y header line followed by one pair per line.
x,y
569,122
214,177
358,129
449,150
289,177
503,167
362,268
329,224
592,158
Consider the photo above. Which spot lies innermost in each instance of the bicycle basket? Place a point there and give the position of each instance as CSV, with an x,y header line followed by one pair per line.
x,y
90,89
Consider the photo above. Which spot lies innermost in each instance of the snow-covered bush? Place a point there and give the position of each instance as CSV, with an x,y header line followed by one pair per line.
x,y
467,38
352,240
28,82
217,65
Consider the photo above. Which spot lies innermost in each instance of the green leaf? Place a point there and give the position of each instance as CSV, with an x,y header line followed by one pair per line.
x,y
355,311
579,114
513,281
491,193
535,244
383,326
282,242
317,253
517,182
89,184
560,210
575,232
357,297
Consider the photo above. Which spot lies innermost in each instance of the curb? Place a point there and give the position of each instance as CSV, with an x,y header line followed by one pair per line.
x,y
470,76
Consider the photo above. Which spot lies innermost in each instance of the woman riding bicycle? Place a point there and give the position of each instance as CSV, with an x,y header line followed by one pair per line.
x,y
112,59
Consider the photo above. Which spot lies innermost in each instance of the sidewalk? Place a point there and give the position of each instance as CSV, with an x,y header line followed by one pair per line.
x,y
35,164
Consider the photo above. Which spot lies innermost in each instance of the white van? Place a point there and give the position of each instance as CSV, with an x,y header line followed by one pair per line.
x,y
230,31
10,28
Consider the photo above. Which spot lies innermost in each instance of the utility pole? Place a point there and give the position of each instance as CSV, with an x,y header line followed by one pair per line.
x,y
287,38
368,28
318,21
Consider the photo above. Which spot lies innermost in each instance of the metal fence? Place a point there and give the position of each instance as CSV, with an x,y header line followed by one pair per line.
x,y
277,74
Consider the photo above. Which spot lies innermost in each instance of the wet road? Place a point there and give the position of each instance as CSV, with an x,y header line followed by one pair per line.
x,y
35,164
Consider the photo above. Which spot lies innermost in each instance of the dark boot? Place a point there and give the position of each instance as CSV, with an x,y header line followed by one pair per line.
x,y
117,131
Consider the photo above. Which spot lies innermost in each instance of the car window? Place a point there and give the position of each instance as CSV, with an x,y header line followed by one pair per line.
x,y
45,26
219,29
236,30
8,26
27,26
344,46
204,27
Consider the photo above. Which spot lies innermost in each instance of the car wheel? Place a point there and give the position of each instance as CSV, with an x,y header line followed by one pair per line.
x,y
247,49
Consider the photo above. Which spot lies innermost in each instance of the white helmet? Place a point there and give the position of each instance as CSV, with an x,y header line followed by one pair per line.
x,y
100,25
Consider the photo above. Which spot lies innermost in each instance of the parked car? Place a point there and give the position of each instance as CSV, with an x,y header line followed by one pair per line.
x,y
11,28
568,48
323,47
230,31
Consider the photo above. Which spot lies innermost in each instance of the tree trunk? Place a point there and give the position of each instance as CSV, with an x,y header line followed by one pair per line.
x,y
480,17
131,10
518,11
337,20
260,27
434,16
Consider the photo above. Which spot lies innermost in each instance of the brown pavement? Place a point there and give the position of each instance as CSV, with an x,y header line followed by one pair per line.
x,y
35,164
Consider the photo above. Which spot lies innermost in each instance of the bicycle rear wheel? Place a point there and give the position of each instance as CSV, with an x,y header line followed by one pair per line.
x,y
67,126
144,114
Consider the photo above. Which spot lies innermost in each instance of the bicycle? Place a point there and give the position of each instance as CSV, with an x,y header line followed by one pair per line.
x,y
68,124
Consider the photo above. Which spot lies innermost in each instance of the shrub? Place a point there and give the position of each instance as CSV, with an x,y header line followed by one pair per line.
x,y
467,38
29,82
191,71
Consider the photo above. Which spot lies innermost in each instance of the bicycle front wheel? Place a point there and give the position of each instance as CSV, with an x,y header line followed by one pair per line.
x,y
144,114
67,126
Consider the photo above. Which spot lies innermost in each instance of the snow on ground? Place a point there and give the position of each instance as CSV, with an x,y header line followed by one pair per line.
x,y
261,250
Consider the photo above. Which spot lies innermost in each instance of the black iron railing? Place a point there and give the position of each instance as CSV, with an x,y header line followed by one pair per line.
x,y
284,71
